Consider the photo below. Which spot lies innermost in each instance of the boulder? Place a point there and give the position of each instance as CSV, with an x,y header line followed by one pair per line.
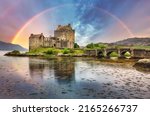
x,y
143,65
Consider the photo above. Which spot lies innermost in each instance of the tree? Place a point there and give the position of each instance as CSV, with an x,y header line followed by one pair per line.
x,y
76,45
96,45
91,45
66,51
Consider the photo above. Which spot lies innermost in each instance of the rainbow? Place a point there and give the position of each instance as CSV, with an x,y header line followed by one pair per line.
x,y
9,10
16,37
119,21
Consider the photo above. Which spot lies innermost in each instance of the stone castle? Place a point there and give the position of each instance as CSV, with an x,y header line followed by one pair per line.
x,y
64,37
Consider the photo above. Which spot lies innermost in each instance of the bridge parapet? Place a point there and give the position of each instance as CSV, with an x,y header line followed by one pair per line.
x,y
91,52
137,53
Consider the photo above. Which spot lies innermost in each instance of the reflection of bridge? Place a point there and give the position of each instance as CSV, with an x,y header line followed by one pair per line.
x,y
136,53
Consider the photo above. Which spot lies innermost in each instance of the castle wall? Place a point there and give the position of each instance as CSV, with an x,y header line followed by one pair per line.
x,y
47,42
36,41
64,37
66,33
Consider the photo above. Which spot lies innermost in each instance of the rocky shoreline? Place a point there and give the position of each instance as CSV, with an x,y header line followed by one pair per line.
x,y
143,64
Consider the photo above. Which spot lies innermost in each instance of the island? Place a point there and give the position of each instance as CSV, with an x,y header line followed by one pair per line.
x,y
63,44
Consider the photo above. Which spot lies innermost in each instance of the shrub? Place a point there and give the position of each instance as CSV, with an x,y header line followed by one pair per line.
x,y
113,54
91,45
127,54
56,51
66,51
15,52
72,51
76,45
50,52
97,46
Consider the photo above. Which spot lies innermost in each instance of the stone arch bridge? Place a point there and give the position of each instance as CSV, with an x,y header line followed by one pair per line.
x,y
135,53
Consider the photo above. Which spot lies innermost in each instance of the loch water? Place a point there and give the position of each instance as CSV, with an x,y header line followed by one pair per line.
x,y
70,78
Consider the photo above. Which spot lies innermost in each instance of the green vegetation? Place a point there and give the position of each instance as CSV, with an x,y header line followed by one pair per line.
x,y
15,52
52,52
66,51
141,47
127,54
55,51
114,54
76,45
49,52
43,51
72,51
133,47
96,46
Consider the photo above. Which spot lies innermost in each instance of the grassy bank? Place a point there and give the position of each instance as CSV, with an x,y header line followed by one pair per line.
x,y
49,52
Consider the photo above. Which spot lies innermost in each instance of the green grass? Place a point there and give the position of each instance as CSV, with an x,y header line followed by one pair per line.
x,y
133,47
55,51
120,46
114,54
127,54
142,47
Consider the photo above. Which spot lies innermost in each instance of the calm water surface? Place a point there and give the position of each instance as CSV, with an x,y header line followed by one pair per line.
x,y
23,77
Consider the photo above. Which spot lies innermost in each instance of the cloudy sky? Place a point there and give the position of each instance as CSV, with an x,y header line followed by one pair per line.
x,y
93,20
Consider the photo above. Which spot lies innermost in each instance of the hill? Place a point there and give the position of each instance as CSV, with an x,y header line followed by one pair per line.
x,y
8,46
133,42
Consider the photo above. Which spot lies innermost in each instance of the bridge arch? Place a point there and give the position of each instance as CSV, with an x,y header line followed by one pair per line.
x,y
100,54
122,54
125,53
109,53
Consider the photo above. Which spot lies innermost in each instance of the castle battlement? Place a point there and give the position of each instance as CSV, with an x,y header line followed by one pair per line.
x,y
64,37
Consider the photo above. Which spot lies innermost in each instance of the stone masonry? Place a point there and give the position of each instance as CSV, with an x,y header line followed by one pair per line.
x,y
64,37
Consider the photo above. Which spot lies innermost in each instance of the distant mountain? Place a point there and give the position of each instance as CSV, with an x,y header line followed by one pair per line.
x,y
133,41
9,46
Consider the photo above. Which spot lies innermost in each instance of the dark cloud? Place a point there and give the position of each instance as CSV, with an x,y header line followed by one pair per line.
x,y
93,13
90,21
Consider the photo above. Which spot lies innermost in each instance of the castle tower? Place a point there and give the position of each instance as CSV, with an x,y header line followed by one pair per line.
x,y
36,40
67,34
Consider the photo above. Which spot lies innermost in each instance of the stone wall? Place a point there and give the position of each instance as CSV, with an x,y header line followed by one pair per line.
x,y
135,53
67,34
64,37
147,53
138,53
36,41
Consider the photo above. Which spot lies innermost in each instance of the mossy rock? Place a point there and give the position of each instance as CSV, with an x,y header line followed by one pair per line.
x,y
13,53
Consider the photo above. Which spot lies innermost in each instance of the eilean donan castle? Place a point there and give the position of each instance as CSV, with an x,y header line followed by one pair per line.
x,y
64,37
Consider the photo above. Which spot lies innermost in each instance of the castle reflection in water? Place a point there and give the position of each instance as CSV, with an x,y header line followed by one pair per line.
x,y
62,69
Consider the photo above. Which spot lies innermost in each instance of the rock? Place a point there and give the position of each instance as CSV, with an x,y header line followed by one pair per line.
x,y
143,65
144,61
13,53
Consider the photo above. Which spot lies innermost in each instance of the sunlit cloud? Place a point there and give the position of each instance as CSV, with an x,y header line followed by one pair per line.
x,y
93,20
